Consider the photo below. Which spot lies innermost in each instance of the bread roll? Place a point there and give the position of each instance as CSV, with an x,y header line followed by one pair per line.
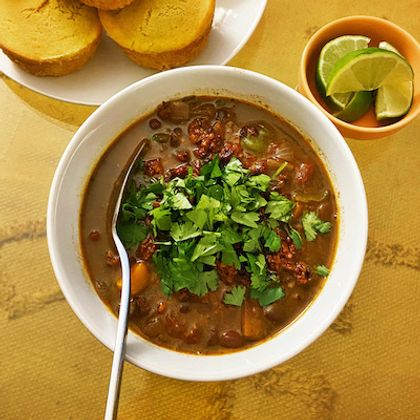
x,y
48,37
161,34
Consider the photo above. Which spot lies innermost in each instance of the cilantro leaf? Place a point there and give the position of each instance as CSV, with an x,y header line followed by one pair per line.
x,y
209,260
267,296
322,271
211,169
257,266
229,234
234,171
208,245
279,207
131,234
216,192
260,182
184,231
247,219
180,202
212,208
251,245
207,281
235,296
312,225
161,218
198,217
324,227
272,241
295,236
230,257
240,197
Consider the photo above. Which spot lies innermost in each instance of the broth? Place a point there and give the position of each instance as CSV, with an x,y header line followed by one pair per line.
x,y
190,133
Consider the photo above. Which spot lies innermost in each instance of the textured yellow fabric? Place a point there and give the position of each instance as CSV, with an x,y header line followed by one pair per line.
x,y
366,366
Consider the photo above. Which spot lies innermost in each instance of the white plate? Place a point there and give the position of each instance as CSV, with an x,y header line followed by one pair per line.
x,y
110,70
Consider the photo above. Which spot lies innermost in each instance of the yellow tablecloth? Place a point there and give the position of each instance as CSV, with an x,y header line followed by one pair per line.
x,y
366,366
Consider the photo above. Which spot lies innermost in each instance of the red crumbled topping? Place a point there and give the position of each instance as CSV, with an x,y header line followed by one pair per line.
x,y
147,248
153,167
179,171
207,137
227,273
183,155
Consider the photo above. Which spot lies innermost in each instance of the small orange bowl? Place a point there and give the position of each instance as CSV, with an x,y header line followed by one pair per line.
x,y
367,127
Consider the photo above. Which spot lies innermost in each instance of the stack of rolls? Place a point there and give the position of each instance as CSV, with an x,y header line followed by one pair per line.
x,y
58,37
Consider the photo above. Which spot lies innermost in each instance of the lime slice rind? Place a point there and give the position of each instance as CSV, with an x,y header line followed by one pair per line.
x,y
356,108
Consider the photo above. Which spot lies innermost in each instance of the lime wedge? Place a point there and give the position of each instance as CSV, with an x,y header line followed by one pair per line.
x,y
389,47
386,95
330,54
393,101
374,68
358,105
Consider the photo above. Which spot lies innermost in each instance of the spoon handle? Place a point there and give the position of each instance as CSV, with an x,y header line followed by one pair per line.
x,y
119,348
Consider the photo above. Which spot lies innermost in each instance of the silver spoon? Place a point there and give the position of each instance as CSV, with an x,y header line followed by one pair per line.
x,y
119,348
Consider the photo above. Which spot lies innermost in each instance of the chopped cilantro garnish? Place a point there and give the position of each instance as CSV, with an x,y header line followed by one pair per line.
x,y
211,169
322,271
247,219
268,296
198,217
272,241
180,202
260,182
312,225
223,215
184,231
235,296
296,238
131,234
208,245
161,218
279,207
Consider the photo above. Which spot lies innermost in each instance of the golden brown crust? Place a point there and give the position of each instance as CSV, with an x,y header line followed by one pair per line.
x,y
147,45
171,59
108,4
59,66
50,38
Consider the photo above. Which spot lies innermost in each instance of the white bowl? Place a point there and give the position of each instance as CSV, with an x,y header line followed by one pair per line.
x,y
114,116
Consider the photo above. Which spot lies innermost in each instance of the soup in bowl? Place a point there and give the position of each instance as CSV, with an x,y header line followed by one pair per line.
x,y
245,221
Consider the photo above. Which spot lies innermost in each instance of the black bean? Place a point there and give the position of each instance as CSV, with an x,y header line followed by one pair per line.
x,y
275,313
231,339
154,124
176,137
178,131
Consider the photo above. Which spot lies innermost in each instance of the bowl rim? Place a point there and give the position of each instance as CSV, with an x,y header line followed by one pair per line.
x,y
246,368
349,127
